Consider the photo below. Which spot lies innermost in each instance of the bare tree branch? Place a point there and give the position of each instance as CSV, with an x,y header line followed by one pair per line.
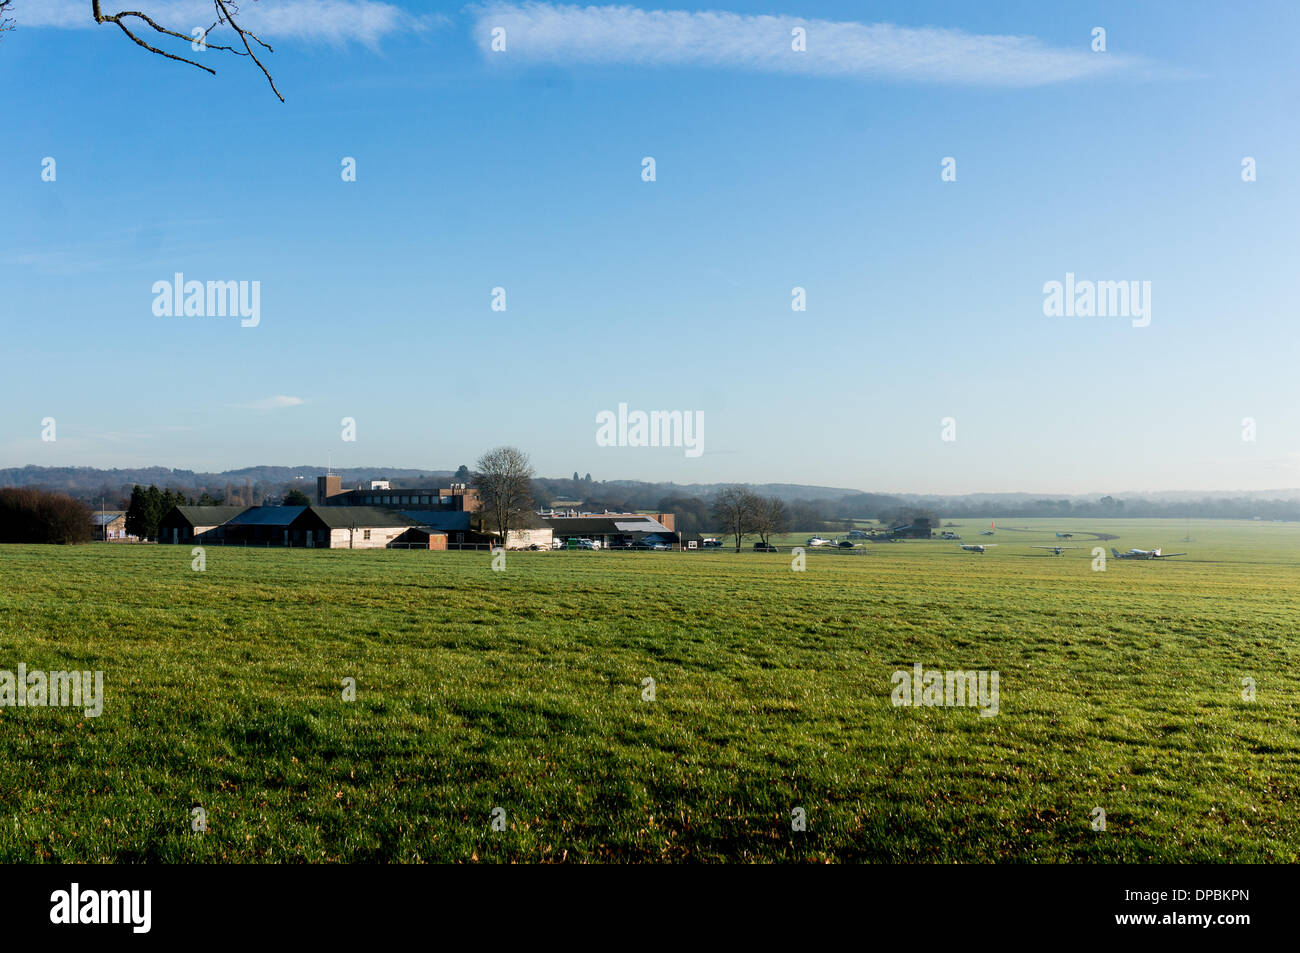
x,y
226,11
117,18
244,35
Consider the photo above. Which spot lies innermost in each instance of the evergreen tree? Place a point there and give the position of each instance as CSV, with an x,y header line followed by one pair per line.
x,y
135,518
147,508
153,508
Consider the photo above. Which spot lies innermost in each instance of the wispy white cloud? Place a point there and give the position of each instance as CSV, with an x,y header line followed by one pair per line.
x,y
555,33
272,403
328,21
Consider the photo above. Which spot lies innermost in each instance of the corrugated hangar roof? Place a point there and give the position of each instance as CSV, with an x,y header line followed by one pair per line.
x,y
641,526
209,515
603,525
348,517
268,515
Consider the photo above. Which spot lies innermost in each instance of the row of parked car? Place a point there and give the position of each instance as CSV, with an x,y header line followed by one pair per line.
x,y
596,544
575,544
759,547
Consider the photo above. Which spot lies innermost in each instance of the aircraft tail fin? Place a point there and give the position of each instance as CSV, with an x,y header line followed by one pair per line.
x,y
1115,551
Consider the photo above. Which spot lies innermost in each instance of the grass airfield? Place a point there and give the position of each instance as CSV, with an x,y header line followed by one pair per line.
x,y
523,690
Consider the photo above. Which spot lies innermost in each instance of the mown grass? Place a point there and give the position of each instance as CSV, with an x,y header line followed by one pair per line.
x,y
523,690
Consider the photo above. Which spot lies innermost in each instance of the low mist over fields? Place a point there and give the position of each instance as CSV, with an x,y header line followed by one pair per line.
x,y
255,485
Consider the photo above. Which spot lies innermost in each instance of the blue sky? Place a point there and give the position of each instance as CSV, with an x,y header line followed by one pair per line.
x,y
522,169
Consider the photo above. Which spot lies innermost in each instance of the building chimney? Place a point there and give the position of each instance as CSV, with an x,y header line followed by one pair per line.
x,y
327,486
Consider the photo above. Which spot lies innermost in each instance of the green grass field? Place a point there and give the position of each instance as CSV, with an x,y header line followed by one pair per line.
x,y
522,690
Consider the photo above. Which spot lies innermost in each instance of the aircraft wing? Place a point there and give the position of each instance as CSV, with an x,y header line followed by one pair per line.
x,y
1167,555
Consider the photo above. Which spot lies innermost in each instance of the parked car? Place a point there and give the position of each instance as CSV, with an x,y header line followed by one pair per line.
x,y
845,544
711,543
761,547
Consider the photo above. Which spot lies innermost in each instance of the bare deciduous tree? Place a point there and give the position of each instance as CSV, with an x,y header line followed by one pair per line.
x,y
770,515
226,12
504,479
735,508
6,22
35,516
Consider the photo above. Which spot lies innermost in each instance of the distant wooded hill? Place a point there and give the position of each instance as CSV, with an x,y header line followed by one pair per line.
x,y
812,506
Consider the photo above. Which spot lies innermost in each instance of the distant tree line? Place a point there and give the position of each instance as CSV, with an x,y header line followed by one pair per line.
x,y
1110,507
695,512
811,509
34,516
113,487
907,515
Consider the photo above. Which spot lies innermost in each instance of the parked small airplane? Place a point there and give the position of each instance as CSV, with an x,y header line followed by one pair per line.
x,y
818,541
986,532
977,547
949,535
1058,550
1065,536
1144,554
